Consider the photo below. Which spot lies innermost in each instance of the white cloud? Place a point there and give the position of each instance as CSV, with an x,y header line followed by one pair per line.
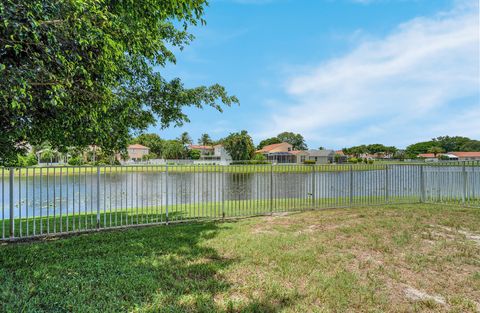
x,y
396,89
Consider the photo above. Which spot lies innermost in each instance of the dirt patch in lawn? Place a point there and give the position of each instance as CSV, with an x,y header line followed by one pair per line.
x,y
450,233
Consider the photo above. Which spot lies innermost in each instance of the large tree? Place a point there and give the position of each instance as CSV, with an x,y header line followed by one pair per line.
x,y
173,149
239,146
268,141
447,143
296,140
153,141
413,150
455,143
83,72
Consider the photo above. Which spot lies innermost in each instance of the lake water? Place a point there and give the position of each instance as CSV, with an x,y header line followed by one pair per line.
x,y
40,196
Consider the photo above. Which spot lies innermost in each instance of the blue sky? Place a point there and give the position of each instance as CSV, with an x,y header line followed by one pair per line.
x,y
340,72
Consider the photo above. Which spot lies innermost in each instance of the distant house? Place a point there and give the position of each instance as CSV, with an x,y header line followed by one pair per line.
x,y
220,152
340,157
429,157
279,153
300,155
467,156
321,156
137,152
204,150
276,147
284,153
452,156
212,154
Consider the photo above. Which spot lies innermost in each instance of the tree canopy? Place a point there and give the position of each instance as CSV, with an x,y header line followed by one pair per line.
x,y
153,141
296,140
446,143
268,141
205,140
239,146
372,149
85,72
185,139
435,150
173,150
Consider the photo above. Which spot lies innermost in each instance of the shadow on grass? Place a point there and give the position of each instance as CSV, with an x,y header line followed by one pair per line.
x,y
152,269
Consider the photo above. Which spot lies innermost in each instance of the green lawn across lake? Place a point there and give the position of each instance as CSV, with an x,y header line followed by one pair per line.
x,y
263,168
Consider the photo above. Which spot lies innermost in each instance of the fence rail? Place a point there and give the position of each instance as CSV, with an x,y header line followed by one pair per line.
x,y
39,201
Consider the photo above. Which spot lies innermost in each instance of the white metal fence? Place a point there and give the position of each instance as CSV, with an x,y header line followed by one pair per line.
x,y
39,201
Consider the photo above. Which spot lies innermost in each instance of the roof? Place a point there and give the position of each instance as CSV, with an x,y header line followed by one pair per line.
x,y
426,155
295,152
466,154
137,146
320,153
339,152
281,153
272,147
200,147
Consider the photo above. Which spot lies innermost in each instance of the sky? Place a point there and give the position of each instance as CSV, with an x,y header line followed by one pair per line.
x,y
340,72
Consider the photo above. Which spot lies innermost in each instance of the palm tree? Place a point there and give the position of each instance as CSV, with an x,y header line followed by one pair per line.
x,y
44,151
185,139
205,140
435,150
48,154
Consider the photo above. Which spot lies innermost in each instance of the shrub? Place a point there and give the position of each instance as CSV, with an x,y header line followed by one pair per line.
x,y
259,157
309,162
194,154
76,160
370,161
353,160
30,160
26,160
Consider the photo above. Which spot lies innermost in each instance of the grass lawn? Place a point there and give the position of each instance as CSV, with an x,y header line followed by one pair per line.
x,y
397,258
255,168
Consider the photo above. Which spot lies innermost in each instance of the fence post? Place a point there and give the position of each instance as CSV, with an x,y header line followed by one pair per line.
x,y
98,197
223,191
351,185
12,219
387,195
313,186
271,188
464,191
422,184
166,193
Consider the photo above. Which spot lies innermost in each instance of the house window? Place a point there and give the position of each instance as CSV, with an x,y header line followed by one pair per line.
x,y
302,158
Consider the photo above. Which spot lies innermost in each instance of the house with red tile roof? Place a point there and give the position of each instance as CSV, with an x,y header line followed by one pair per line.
x,y
284,153
278,153
467,156
276,147
137,152
454,156
204,150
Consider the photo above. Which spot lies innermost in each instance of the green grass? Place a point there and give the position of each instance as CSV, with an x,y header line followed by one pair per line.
x,y
242,169
342,260
85,221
